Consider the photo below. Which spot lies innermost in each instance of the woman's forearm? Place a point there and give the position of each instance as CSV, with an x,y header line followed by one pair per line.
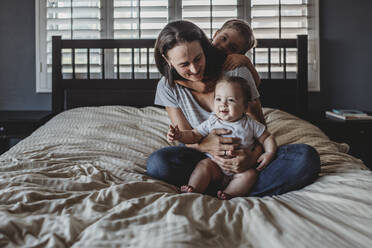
x,y
189,137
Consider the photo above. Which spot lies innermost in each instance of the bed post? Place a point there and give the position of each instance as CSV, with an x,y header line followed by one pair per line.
x,y
302,76
57,91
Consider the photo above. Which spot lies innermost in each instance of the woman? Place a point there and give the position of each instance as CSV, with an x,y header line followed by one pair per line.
x,y
191,67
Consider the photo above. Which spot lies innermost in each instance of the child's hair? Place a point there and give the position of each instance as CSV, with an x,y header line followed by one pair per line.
x,y
244,30
243,84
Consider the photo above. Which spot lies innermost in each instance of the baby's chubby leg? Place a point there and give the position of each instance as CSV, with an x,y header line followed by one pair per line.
x,y
205,172
240,185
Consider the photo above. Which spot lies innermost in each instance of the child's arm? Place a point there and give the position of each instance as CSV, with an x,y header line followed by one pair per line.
x,y
236,60
269,144
184,136
255,111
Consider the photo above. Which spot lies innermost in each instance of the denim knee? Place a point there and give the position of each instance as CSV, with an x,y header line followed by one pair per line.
x,y
308,164
156,165
173,164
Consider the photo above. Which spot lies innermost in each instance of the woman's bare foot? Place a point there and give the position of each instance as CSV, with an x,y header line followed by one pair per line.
x,y
187,189
223,196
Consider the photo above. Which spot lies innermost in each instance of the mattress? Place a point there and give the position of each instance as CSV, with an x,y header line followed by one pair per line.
x,y
80,181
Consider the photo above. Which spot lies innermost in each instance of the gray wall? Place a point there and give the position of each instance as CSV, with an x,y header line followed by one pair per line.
x,y
345,52
17,58
345,49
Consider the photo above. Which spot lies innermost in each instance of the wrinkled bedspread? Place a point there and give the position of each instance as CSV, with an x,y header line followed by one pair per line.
x,y
80,181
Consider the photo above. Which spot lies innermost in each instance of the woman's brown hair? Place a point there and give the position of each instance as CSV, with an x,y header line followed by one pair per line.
x,y
177,32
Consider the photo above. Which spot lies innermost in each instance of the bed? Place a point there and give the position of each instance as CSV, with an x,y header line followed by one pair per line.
x,y
80,180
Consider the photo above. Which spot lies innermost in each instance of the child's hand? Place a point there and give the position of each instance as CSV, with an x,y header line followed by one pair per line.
x,y
173,133
235,60
264,160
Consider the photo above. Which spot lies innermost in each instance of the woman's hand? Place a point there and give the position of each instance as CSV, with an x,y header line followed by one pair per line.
x,y
217,145
240,160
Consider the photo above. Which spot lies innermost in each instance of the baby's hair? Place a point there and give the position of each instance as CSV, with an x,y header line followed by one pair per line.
x,y
243,84
244,30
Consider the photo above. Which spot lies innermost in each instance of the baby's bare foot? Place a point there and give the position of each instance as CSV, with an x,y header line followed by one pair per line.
x,y
223,196
187,189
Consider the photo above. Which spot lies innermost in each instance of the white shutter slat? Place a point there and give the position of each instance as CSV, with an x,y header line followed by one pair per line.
x,y
206,8
146,34
293,6
288,33
200,12
207,2
206,20
67,10
86,21
124,20
143,8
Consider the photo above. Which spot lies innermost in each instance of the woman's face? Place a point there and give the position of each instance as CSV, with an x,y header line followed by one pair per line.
x,y
188,59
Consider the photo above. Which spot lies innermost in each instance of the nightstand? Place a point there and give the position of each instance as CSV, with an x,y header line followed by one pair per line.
x,y
16,125
357,134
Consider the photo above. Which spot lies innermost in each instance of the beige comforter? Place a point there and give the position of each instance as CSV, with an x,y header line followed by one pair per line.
x,y
80,181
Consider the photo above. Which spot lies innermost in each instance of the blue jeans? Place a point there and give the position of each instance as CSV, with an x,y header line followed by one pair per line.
x,y
294,167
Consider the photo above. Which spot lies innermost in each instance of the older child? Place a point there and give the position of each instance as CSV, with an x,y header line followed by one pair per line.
x,y
235,38
231,98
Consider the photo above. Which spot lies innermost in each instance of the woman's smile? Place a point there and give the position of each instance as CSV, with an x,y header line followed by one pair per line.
x,y
189,60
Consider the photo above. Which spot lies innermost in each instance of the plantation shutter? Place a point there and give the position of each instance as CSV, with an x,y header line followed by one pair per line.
x,y
128,19
278,19
138,19
209,14
73,19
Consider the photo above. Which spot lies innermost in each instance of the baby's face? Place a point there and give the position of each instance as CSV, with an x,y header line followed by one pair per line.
x,y
229,102
228,41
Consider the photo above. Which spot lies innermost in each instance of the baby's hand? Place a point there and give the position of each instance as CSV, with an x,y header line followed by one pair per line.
x,y
173,133
264,160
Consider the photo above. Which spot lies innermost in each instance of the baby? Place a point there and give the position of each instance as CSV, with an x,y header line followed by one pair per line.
x,y
232,95
235,38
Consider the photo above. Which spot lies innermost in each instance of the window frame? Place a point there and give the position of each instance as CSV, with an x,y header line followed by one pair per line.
x,y
41,56
174,13
313,46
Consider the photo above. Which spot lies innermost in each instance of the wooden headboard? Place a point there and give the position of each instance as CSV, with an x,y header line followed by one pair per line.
x,y
288,94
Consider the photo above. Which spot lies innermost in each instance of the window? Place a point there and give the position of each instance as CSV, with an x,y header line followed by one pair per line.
x,y
137,19
208,14
77,19
278,19
123,19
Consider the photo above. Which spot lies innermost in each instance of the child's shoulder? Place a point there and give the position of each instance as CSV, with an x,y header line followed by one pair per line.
x,y
250,121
